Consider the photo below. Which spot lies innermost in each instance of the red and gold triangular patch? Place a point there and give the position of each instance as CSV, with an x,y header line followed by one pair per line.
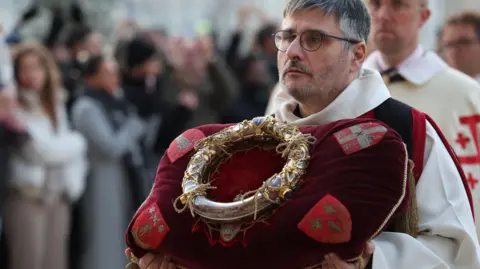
x,y
150,228
360,136
327,222
183,144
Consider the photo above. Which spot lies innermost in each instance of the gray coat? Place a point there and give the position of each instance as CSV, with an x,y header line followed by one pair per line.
x,y
106,207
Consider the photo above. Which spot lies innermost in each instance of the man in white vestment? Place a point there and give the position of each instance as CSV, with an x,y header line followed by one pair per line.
x,y
424,81
460,42
321,51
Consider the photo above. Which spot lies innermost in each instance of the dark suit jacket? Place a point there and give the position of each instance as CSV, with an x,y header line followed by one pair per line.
x,y
3,164
8,140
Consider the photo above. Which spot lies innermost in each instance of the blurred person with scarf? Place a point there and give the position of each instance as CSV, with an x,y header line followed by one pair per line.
x,y
82,44
194,66
113,132
144,82
47,170
255,84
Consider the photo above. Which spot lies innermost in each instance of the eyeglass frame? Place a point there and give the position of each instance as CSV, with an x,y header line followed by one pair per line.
x,y
461,42
345,39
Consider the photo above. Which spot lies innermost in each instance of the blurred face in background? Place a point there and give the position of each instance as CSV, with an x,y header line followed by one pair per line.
x,y
270,48
198,53
396,24
94,44
107,77
60,53
159,38
152,67
461,48
257,73
32,73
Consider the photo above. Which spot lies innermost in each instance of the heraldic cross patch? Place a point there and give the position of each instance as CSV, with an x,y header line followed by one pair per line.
x,y
183,144
360,136
150,228
327,222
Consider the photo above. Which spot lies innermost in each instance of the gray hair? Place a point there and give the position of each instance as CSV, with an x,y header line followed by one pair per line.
x,y
352,15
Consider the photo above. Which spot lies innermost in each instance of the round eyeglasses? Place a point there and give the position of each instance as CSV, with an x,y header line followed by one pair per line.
x,y
310,40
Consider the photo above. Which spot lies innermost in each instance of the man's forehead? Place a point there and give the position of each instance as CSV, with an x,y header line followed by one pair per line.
x,y
314,19
456,30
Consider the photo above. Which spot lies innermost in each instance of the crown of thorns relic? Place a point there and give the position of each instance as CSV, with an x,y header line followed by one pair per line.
x,y
213,150
234,196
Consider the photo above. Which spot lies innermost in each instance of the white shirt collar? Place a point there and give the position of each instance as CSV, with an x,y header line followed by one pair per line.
x,y
418,68
361,96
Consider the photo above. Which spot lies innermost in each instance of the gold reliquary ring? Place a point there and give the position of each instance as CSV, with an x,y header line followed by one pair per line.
x,y
263,132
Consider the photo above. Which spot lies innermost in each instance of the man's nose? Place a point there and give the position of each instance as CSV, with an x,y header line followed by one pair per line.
x,y
295,50
382,13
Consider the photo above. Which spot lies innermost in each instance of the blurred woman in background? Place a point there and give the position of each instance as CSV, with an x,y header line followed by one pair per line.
x,y
113,132
47,171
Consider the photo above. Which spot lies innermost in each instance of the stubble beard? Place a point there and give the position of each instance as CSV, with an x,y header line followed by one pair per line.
x,y
319,91
308,94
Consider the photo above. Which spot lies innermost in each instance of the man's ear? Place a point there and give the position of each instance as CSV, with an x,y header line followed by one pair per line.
x,y
359,54
424,16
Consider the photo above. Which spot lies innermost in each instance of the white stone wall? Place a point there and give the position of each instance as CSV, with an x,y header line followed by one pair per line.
x,y
179,16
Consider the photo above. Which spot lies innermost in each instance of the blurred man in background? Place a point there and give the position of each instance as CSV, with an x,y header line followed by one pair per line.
x,y
460,43
417,77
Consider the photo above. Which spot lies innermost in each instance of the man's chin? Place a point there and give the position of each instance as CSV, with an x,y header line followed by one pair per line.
x,y
298,93
388,48
292,84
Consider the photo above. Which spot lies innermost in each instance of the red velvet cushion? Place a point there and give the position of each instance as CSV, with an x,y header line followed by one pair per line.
x,y
347,196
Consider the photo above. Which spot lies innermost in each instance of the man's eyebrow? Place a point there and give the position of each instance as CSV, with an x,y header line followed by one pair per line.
x,y
291,31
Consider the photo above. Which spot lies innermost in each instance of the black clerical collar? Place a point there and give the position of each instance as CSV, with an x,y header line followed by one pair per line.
x,y
297,113
391,75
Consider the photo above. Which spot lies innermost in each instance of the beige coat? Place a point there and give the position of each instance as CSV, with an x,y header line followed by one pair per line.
x,y
47,174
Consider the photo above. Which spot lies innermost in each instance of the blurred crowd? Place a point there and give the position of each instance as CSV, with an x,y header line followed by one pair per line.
x,y
86,128
83,126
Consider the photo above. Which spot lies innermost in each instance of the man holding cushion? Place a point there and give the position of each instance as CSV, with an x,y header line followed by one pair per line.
x,y
321,51
308,190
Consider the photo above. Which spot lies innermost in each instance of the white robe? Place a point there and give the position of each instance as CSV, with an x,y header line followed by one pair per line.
x,y
451,98
448,238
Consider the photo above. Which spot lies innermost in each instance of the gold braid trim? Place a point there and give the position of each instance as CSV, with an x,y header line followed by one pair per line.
x,y
408,222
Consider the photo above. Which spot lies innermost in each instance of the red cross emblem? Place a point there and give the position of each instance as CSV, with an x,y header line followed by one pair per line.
x,y
360,136
327,222
150,228
462,140
472,181
183,144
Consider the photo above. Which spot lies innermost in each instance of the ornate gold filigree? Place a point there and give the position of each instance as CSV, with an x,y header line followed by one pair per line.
x,y
210,152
